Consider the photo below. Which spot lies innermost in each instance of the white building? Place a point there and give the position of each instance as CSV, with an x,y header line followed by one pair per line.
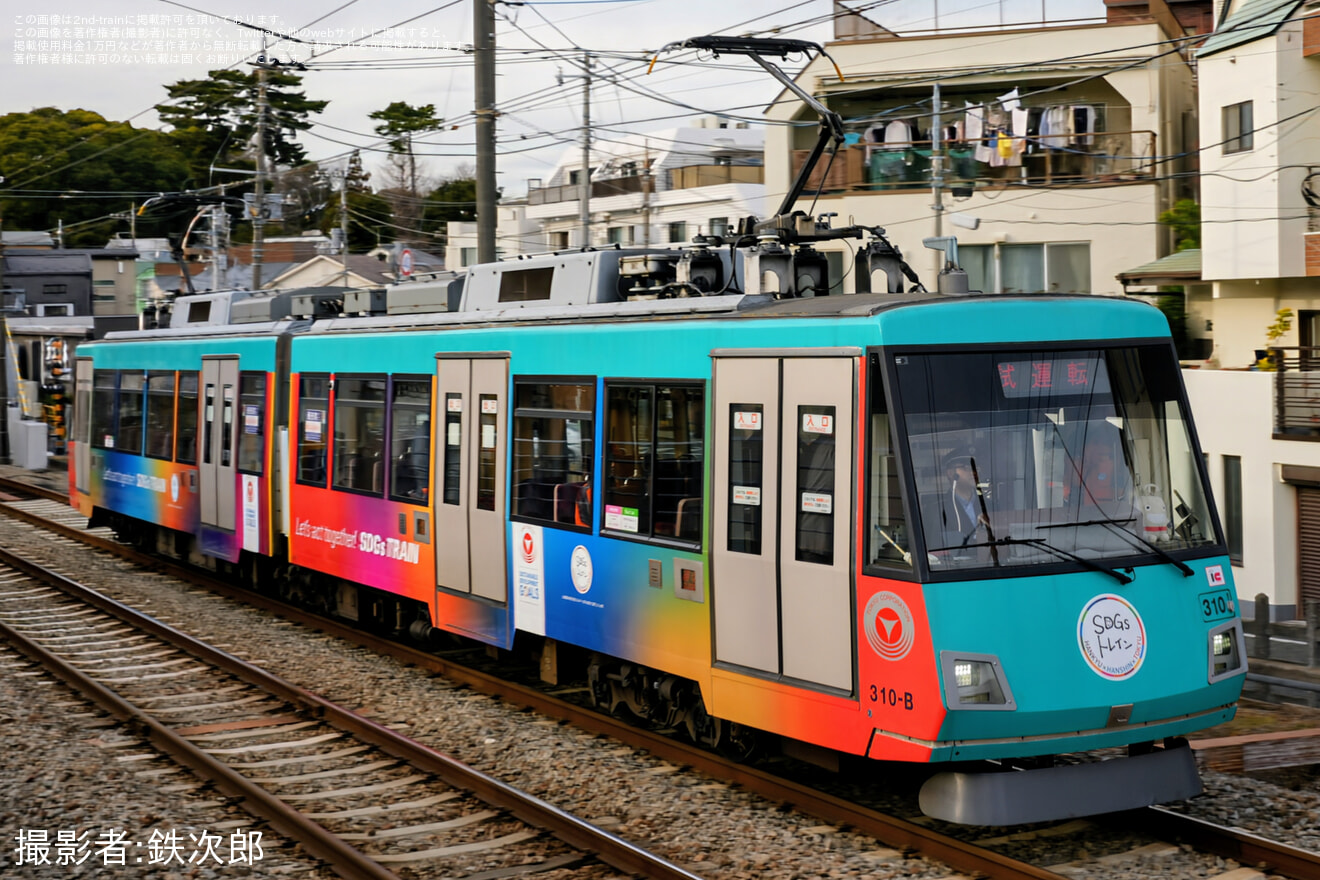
x,y
1065,142
514,235
1259,75
655,189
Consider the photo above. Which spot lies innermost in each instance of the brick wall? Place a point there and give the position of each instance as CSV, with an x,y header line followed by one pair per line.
x,y
1312,253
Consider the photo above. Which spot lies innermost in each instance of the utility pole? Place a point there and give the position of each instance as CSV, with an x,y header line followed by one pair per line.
x,y
483,47
259,221
646,193
937,176
585,198
343,221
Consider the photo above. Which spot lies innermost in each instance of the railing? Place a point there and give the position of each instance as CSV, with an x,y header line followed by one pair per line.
x,y
1063,160
691,176
571,192
1296,390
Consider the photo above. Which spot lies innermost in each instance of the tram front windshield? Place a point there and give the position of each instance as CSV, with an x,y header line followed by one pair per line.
x,y
1026,458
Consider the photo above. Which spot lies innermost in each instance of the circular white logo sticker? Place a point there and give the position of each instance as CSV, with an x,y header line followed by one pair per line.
x,y
174,487
889,626
1112,637
581,569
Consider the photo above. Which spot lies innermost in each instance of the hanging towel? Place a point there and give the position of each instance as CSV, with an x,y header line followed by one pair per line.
x,y
1009,101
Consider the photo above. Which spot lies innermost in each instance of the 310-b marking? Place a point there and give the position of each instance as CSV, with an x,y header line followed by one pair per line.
x,y
892,698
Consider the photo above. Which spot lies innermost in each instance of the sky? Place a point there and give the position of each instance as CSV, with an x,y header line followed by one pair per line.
x,y
116,58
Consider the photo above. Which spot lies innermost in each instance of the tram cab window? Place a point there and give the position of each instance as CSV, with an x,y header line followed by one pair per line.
x,y
103,408
160,415
410,439
313,421
359,426
1024,458
553,452
888,539
128,434
185,440
251,422
654,454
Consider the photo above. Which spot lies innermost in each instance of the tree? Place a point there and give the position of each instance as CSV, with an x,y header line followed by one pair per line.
x,y
400,121
454,200
1185,220
75,152
214,120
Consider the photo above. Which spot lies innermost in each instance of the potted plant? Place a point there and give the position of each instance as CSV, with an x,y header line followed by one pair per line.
x,y
1265,358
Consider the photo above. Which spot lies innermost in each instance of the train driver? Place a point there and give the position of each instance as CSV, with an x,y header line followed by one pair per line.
x,y
963,513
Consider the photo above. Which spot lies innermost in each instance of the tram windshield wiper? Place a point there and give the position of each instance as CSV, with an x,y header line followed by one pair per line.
x,y
1116,526
1090,564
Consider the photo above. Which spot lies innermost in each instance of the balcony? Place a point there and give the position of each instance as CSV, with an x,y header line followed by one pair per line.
x,y
1105,157
1296,392
691,176
571,192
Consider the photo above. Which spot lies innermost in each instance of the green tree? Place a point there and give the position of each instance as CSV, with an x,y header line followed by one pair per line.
x,y
60,165
455,199
1185,220
400,122
214,120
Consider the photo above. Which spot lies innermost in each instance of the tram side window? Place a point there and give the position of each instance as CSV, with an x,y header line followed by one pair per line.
x,y
887,538
746,476
313,412
553,452
410,440
359,453
816,498
252,422
160,415
185,440
654,452
103,409
128,435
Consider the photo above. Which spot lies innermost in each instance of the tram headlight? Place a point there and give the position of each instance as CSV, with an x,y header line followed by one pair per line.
x,y
975,681
1225,650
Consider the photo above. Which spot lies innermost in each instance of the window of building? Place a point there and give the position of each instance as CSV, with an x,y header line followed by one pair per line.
x,y
410,439
185,438
103,408
313,420
53,309
559,241
719,226
252,422
1051,267
103,291
359,451
654,454
1233,507
678,231
54,289
1238,127
160,415
553,451
614,235
525,285
128,433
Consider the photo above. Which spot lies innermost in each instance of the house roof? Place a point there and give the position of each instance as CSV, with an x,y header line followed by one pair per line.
x,y
48,263
1179,268
1250,21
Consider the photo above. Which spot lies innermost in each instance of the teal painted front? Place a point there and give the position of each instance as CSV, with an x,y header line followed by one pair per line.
x,y
1025,319
1032,626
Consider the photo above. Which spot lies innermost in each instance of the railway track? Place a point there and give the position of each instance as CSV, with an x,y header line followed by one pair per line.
x,y
354,793
964,850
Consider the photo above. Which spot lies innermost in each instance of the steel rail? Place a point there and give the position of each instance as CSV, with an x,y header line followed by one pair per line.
x,y
574,831
1230,843
891,831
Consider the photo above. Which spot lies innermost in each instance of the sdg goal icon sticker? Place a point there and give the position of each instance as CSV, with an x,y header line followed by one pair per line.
x,y
1112,637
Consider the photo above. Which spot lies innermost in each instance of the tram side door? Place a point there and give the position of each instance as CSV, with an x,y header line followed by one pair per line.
x,y
82,425
471,474
783,516
217,468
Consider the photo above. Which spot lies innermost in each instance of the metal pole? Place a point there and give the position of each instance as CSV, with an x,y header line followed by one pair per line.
x,y
259,221
483,46
343,222
585,198
937,176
